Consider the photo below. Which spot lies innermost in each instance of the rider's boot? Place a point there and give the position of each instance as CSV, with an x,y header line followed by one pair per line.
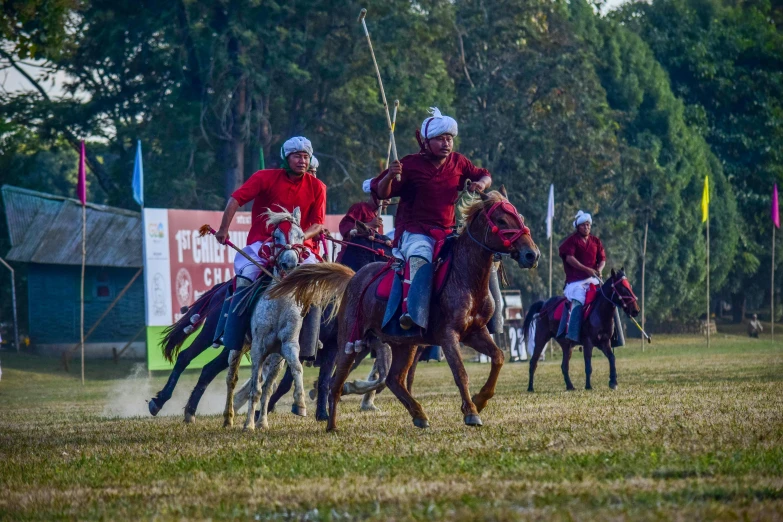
x,y
561,329
217,341
575,323
236,325
416,301
308,335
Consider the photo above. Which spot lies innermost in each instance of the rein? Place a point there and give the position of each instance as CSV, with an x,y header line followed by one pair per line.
x,y
379,252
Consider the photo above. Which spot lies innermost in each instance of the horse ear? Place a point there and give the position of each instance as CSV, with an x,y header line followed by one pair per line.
x,y
503,191
297,215
483,195
613,272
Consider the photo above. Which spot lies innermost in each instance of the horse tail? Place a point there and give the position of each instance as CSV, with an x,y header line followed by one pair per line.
x,y
319,284
242,395
175,335
529,318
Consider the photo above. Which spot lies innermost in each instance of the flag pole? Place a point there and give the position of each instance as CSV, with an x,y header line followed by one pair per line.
x,y
772,288
708,279
644,263
551,237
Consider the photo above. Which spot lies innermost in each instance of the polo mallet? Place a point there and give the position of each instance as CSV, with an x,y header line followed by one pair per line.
x,y
362,15
646,336
394,125
206,229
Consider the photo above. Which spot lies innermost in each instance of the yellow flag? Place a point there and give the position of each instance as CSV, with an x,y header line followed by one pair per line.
x,y
705,200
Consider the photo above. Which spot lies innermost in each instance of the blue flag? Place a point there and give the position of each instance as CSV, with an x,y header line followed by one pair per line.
x,y
138,177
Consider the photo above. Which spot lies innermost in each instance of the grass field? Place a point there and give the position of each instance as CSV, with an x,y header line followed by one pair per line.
x,y
689,434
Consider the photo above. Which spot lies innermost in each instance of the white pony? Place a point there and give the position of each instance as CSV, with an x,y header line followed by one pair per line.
x,y
274,331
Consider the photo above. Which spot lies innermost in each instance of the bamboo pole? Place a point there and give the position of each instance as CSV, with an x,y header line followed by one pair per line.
x,y
84,261
551,238
644,267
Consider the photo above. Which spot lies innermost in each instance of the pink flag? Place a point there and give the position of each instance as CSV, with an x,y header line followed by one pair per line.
x,y
775,212
81,187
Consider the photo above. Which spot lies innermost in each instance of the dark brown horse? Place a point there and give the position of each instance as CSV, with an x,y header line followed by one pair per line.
x,y
540,325
459,313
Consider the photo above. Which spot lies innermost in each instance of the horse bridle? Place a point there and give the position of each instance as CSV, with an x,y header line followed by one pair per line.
x,y
271,252
623,281
508,236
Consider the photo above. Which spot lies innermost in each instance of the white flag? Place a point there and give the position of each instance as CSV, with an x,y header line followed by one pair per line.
x,y
550,211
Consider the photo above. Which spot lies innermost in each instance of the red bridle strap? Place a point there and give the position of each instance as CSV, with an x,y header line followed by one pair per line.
x,y
507,235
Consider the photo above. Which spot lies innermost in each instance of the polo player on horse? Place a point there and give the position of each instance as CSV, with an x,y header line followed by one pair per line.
x,y
287,187
429,187
584,259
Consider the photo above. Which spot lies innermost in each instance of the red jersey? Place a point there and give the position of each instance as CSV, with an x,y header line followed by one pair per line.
x,y
271,187
590,253
428,193
364,212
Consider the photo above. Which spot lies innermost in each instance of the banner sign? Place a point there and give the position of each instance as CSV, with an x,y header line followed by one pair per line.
x,y
180,266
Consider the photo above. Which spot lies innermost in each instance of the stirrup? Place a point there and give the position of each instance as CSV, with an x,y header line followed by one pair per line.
x,y
406,321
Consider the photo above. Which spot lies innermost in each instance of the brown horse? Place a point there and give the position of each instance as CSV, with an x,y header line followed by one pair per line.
x,y
459,313
540,325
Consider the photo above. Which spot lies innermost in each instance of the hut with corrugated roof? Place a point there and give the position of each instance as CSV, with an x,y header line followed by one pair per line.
x,y
45,233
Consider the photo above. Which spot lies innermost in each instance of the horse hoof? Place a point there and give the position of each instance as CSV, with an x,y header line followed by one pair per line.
x,y
228,424
369,407
249,428
313,394
189,418
153,406
473,420
422,423
613,385
299,410
570,388
530,390
322,417
588,387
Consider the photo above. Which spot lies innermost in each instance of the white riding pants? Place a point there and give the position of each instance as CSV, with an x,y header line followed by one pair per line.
x,y
414,245
577,290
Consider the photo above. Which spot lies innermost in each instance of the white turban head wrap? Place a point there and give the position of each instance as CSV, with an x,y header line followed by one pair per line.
x,y
437,125
296,144
366,185
582,217
314,164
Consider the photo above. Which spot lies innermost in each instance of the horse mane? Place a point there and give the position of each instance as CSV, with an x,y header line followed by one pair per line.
x,y
275,218
471,208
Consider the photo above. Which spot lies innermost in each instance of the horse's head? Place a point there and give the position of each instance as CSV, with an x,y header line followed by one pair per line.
x,y
495,223
288,238
619,291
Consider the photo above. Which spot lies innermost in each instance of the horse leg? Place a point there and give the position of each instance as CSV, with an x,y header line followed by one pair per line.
x,y
258,358
412,369
208,374
379,373
356,387
269,372
607,350
234,358
282,388
482,342
402,360
567,351
343,368
324,380
454,358
539,344
290,351
183,360
588,353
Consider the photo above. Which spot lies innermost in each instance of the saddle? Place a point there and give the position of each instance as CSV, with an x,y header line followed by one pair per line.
x,y
561,304
390,287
